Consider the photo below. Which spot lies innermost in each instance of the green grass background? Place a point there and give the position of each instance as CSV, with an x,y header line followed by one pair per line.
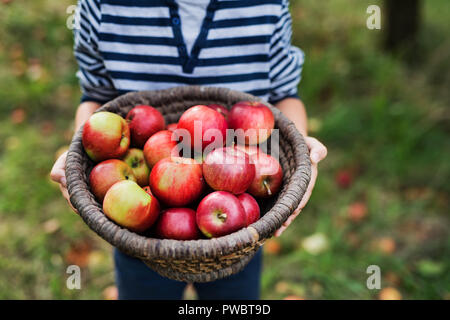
x,y
384,121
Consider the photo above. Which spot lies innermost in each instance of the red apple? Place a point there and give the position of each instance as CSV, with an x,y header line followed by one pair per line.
x,y
250,150
160,146
211,127
107,173
220,213
228,169
221,109
177,181
105,136
144,121
254,118
135,159
268,175
172,127
251,207
130,206
178,224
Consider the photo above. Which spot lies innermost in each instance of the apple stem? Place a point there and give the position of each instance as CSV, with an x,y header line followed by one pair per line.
x,y
267,187
222,216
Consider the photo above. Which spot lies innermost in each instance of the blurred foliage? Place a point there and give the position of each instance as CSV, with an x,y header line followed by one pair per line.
x,y
382,196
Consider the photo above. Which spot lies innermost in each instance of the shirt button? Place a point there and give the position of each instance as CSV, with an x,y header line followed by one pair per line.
x,y
176,21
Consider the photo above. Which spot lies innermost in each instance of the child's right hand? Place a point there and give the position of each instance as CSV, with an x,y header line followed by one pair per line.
x,y
58,174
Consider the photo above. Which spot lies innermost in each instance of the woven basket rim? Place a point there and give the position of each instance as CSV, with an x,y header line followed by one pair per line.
x,y
152,248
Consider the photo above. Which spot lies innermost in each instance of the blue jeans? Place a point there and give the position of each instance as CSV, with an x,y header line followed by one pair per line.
x,y
137,281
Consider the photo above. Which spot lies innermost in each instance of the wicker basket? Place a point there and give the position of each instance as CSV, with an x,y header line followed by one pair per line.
x,y
195,260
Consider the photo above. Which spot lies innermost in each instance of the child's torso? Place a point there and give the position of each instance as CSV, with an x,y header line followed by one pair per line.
x,y
143,45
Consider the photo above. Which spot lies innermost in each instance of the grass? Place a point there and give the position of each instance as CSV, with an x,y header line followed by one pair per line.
x,y
384,121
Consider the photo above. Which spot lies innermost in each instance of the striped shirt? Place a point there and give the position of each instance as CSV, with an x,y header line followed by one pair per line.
x,y
133,45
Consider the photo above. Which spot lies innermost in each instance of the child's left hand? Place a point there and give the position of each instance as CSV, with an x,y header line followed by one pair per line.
x,y
317,152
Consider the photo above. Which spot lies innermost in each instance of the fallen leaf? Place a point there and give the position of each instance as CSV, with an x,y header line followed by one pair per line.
x,y
18,116
282,287
392,278
357,211
51,226
110,293
386,245
344,178
315,243
272,246
293,297
78,253
390,293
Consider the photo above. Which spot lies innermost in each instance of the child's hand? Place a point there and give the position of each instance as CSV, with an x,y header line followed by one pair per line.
x,y
58,174
318,152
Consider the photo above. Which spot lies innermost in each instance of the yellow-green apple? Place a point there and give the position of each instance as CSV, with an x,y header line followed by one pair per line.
x,y
204,125
178,224
105,136
221,109
254,118
160,146
127,204
135,159
177,181
268,175
144,121
107,173
251,207
220,213
228,169
172,127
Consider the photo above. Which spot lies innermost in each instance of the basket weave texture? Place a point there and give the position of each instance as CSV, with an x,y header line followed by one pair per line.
x,y
194,260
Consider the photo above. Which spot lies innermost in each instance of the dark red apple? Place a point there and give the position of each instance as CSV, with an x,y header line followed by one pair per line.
x,y
268,175
107,173
204,125
177,181
160,146
220,213
135,159
178,224
130,206
228,169
144,121
251,207
105,136
254,118
220,108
